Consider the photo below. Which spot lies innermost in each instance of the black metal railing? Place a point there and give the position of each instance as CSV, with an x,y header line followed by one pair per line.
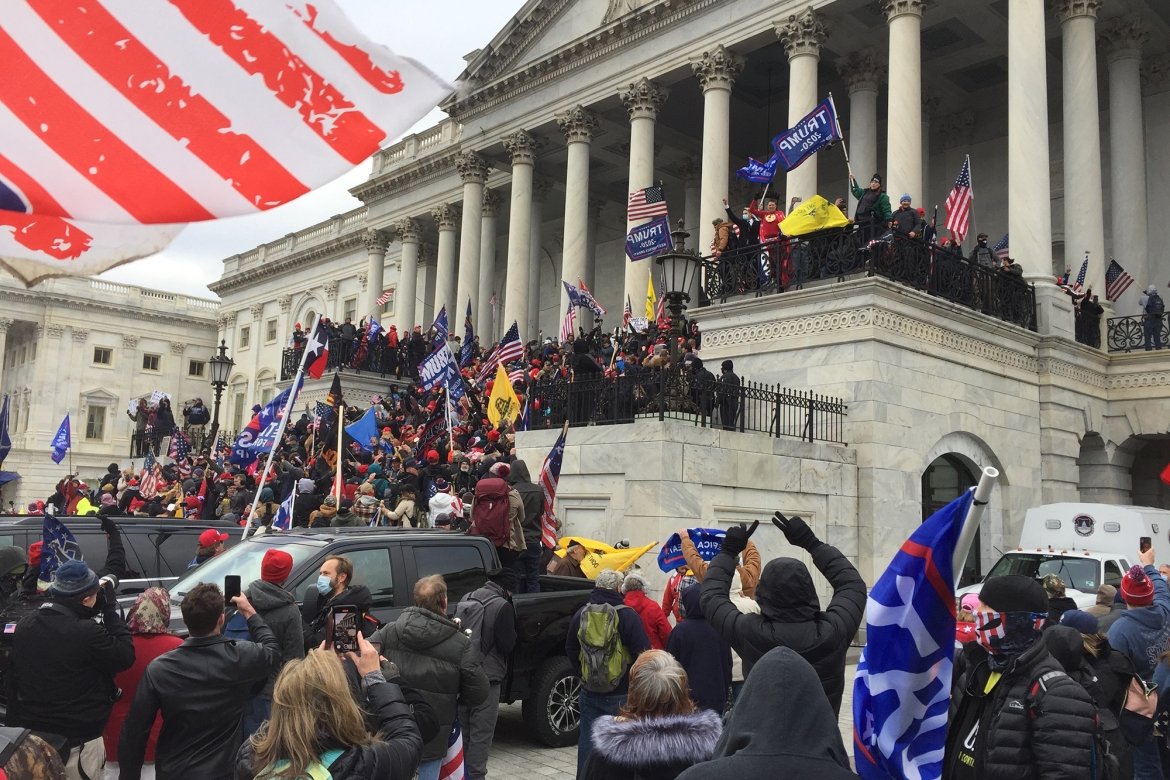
x,y
791,263
348,355
1128,334
679,395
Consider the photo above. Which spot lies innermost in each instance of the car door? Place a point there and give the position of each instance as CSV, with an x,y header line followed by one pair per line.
x,y
459,559
375,567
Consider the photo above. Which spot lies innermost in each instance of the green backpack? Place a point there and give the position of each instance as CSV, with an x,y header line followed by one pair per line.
x,y
604,659
318,770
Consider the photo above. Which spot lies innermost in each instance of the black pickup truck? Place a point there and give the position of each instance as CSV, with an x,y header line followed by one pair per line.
x,y
390,561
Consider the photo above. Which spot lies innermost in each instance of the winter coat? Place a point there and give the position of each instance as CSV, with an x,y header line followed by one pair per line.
x,y
347,520
315,610
650,748
630,630
703,653
147,647
653,618
434,657
907,221
281,614
395,752
1105,597
790,613
871,206
781,726
1057,606
201,688
403,514
749,570
531,496
1143,634
304,505
1022,736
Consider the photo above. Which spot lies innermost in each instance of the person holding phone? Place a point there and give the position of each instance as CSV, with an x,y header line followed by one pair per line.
x,y
281,614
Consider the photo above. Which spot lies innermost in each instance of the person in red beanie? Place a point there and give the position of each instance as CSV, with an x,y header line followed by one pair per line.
x,y
280,611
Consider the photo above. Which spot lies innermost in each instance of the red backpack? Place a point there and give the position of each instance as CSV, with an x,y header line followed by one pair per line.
x,y
489,511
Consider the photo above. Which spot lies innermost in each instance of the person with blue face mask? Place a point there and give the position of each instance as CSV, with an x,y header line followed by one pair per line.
x,y
334,587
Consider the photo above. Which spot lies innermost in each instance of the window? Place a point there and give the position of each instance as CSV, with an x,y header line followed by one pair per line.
x,y
245,336
95,423
238,411
350,309
270,331
103,356
461,565
266,395
32,351
23,355
150,362
371,568
1112,574
195,368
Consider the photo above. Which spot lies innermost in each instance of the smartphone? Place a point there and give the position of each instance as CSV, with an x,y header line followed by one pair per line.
x,y
341,630
231,588
1145,543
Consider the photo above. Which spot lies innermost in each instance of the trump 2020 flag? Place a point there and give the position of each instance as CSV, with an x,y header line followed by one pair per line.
x,y
759,172
903,687
284,512
808,136
708,542
61,442
259,436
121,120
57,546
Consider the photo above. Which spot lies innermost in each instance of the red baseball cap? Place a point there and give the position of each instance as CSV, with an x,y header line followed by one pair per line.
x,y
211,537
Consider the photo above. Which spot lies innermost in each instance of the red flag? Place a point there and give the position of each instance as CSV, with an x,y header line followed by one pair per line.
x,y
1166,474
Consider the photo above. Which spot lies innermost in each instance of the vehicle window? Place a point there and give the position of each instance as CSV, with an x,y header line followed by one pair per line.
x,y
1078,573
1112,574
370,568
244,560
174,553
461,566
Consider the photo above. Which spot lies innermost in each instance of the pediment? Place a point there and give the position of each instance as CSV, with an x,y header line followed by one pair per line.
x,y
99,396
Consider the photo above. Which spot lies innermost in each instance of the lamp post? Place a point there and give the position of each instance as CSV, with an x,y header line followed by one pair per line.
x,y
219,367
677,269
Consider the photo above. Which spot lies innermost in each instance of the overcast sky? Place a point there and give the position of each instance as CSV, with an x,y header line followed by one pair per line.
x,y
436,34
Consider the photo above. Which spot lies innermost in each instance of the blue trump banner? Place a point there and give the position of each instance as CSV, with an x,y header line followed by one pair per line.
x,y
440,368
259,435
808,136
57,546
61,442
759,172
648,240
707,541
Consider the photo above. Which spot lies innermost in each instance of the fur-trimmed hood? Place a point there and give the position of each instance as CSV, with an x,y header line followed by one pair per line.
x,y
666,740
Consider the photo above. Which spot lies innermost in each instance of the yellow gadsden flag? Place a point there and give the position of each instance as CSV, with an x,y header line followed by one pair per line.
x,y
651,298
814,214
603,556
502,403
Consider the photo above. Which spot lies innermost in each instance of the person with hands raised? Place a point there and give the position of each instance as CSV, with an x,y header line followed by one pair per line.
x,y
790,614
747,559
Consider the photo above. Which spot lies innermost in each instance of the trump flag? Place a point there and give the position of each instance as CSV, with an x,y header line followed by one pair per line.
x,y
120,120
903,684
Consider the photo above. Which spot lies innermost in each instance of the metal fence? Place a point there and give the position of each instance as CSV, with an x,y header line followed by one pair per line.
x,y
1128,334
835,254
679,395
347,355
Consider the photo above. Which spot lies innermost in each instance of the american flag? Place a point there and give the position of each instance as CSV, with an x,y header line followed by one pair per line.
x,y
517,375
588,301
660,314
901,694
958,203
452,767
627,313
180,446
385,297
1117,280
646,203
322,411
148,461
1001,247
123,119
569,325
1079,284
511,348
550,476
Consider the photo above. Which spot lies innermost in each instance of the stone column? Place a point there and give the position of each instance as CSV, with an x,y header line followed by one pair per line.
x,y
904,115
521,147
424,288
1084,225
540,190
802,35
862,72
406,294
578,125
716,71
5,324
376,244
930,104
473,171
487,264
642,100
1123,39
445,216
589,276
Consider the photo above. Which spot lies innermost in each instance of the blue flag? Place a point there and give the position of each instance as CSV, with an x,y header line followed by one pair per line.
x,y
57,546
468,338
283,518
817,130
441,328
364,429
61,441
439,368
759,172
5,440
903,688
373,329
708,542
259,435
573,293
652,238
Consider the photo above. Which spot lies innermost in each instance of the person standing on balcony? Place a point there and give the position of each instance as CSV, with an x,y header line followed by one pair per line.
x,y
728,395
1152,308
873,208
906,221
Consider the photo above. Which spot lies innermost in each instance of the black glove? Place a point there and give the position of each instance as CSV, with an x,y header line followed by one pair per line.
x,y
796,531
736,538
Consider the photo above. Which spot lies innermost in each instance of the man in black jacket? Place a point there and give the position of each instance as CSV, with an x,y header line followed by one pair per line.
x,y
334,588
728,395
790,614
201,688
527,565
63,665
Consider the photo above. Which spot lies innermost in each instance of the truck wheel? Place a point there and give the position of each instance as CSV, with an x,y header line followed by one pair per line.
x,y
552,709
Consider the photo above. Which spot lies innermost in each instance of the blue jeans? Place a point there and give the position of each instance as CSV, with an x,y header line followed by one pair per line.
x,y
527,569
1147,764
258,711
1152,327
593,706
429,770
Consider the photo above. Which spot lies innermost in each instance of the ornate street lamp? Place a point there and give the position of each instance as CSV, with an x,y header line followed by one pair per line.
x,y
677,269
219,368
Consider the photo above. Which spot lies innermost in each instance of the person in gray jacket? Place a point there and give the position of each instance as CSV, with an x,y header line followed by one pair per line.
x,y
280,612
437,659
345,517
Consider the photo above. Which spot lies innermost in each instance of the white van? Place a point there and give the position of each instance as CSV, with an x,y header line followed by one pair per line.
x,y
1085,544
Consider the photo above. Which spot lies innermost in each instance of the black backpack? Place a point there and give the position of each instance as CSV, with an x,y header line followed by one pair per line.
x,y
1154,305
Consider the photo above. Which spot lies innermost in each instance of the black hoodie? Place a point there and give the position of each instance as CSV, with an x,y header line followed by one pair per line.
x,y
781,726
533,498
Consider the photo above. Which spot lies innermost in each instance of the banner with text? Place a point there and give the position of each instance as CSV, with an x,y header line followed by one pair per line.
x,y
648,240
808,136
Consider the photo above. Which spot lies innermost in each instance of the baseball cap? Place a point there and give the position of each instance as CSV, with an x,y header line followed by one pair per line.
x,y
211,537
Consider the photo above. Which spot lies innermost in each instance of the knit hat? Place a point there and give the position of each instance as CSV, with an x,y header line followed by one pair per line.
x,y
267,495
13,560
432,456
347,504
501,470
876,177
905,198
1080,620
1136,588
74,578
108,500
34,553
1053,585
275,566
305,485
329,501
1014,593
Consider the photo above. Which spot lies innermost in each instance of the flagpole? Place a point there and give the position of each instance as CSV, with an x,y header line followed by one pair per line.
x,y
288,405
971,523
340,454
837,122
447,409
971,190
70,450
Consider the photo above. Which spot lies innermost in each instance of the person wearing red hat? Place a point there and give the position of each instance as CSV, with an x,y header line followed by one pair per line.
x,y
280,611
211,544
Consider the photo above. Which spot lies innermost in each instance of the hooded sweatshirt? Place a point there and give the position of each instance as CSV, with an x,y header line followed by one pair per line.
x,y
531,496
280,611
703,653
1143,633
1105,595
782,697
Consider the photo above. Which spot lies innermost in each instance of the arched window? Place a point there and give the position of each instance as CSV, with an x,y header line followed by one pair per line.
x,y
942,482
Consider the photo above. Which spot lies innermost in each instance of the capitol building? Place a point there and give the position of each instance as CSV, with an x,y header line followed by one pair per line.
x,y
1063,108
